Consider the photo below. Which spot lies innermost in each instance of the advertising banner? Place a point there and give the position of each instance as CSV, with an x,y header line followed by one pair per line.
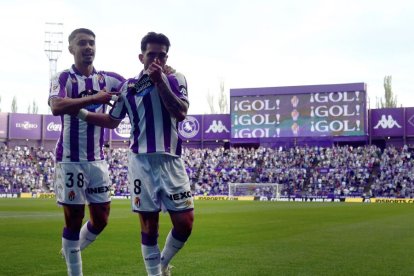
x,y
3,124
190,128
299,111
216,127
409,122
25,126
387,122
52,126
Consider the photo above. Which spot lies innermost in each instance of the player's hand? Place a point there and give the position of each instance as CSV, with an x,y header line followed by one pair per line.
x,y
168,70
104,97
155,71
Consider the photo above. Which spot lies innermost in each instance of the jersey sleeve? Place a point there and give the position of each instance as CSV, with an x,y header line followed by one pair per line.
x,y
178,85
118,111
114,81
58,86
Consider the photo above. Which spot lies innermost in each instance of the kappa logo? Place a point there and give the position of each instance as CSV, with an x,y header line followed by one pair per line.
x,y
217,127
387,122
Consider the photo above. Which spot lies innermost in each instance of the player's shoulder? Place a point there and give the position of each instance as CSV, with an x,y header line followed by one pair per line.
x,y
60,75
178,76
111,74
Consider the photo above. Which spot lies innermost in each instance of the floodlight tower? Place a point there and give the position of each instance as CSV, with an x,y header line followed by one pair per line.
x,y
53,45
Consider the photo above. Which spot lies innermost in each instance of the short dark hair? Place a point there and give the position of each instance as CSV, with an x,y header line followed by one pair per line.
x,y
153,37
80,31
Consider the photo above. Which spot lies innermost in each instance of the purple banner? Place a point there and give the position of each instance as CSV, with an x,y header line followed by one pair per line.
x,y
299,111
25,126
387,122
3,125
52,126
190,128
409,121
216,127
122,132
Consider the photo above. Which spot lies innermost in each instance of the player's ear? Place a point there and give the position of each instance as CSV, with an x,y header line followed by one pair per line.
x,y
70,49
141,58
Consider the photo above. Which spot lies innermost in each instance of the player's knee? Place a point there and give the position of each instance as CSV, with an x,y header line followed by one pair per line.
x,y
184,224
100,225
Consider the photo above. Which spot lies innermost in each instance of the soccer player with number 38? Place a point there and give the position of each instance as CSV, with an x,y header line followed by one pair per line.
x,y
81,174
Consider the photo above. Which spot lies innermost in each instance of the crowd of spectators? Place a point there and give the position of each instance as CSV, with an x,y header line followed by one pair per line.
x,y
302,171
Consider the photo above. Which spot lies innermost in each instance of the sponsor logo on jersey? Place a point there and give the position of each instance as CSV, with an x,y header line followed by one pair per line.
x,y
142,86
98,190
387,122
183,90
124,128
180,196
87,93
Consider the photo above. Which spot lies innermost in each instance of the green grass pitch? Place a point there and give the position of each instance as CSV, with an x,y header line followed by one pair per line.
x,y
229,238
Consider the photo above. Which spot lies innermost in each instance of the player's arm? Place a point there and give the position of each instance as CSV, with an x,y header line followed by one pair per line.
x,y
176,107
66,105
99,119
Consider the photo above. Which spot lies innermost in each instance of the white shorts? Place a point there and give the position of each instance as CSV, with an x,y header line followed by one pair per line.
x,y
158,180
78,183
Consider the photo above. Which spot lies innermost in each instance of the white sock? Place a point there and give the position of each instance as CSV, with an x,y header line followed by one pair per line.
x,y
86,237
151,255
171,247
72,255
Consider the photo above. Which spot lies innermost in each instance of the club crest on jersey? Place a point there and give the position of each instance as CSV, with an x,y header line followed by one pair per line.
x,y
100,78
71,195
137,201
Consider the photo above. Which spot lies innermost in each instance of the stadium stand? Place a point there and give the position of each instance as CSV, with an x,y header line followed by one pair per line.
x,y
306,171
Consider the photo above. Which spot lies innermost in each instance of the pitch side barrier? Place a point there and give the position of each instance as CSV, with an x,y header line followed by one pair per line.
x,y
383,200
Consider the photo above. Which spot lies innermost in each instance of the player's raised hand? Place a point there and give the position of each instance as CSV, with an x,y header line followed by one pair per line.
x,y
155,71
168,70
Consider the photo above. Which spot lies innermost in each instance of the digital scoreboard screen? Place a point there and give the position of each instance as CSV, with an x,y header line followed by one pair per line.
x,y
300,111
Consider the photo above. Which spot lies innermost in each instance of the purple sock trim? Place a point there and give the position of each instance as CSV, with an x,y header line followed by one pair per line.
x,y
69,235
177,236
149,240
92,229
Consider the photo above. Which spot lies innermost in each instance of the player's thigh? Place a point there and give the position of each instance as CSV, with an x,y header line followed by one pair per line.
x,y
70,183
98,190
176,191
99,214
142,185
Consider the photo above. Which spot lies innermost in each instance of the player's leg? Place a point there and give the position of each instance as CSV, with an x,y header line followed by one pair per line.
x,y
178,200
144,187
178,235
70,193
149,242
98,195
70,238
98,219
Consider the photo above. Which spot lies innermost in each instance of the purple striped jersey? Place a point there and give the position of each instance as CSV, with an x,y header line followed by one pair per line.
x,y
80,141
153,129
